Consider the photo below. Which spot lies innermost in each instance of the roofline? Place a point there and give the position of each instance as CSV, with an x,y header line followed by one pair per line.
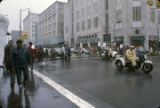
x,y
52,5
30,14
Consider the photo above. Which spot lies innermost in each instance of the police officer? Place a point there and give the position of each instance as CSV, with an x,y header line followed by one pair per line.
x,y
131,55
20,60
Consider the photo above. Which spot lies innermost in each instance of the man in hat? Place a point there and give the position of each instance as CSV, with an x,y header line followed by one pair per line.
x,y
20,60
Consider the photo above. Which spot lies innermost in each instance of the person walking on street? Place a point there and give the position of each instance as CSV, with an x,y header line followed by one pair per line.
x,y
32,53
20,61
40,55
7,61
7,53
63,53
69,53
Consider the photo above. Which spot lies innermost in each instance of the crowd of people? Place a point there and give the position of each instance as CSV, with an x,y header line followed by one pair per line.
x,y
20,57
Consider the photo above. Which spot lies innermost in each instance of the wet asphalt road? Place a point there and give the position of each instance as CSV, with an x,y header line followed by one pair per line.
x,y
37,95
92,80
104,85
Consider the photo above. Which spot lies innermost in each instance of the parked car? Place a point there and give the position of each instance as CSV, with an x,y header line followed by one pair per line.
x,y
85,51
73,50
58,51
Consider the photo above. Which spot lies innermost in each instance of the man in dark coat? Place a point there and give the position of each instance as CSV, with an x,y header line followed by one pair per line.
x,y
20,60
7,54
7,61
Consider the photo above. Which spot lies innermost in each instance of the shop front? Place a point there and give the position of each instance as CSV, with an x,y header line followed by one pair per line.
x,y
87,41
137,41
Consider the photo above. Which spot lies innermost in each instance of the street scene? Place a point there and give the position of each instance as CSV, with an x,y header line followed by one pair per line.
x,y
79,54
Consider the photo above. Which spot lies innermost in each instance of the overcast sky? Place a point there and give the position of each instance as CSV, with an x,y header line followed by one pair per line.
x,y
11,8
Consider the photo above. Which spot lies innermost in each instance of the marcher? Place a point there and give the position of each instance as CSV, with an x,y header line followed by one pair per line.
x,y
131,55
106,53
32,53
20,60
40,55
63,53
7,54
69,53
66,53
7,62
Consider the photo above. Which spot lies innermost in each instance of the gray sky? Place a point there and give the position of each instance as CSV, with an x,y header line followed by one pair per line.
x,y
11,9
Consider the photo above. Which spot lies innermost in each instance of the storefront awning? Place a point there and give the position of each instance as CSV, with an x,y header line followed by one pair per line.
x,y
137,38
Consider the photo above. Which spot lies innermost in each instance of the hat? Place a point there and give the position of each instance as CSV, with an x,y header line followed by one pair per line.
x,y
19,41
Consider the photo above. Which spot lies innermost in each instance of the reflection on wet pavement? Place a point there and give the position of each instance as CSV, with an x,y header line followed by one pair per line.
x,y
123,89
36,95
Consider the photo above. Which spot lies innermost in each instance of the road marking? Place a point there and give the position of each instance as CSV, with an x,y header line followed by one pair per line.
x,y
72,97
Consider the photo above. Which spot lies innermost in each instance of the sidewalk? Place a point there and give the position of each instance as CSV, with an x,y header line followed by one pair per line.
x,y
37,95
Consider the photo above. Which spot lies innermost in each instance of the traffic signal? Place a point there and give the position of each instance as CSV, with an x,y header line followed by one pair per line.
x,y
157,3
150,2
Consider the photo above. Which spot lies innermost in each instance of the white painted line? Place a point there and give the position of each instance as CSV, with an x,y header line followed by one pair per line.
x,y
72,97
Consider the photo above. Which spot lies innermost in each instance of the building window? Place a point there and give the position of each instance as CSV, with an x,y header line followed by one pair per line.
x,y
66,29
152,15
137,13
89,23
106,4
77,14
118,16
95,22
83,25
136,0
77,27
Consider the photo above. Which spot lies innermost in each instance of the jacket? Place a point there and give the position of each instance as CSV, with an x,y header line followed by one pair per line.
x,y
20,57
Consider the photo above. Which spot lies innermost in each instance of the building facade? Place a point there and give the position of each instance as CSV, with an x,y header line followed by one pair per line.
x,y
135,22
51,25
85,22
30,24
127,22
68,23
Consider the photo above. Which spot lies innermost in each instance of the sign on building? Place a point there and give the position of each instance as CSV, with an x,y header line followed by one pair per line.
x,y
24,35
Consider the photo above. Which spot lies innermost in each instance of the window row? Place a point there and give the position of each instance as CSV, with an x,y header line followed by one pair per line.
x,y
87,23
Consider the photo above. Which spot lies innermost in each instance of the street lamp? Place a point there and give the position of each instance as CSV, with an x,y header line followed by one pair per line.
x,y
20,17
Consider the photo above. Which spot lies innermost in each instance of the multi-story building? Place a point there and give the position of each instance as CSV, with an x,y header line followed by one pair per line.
x,y
15,35
30,24
85,21
128,22
68,23
136,22
51,25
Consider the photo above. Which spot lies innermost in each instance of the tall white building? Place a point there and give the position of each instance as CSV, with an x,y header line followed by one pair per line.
x,y
68,23
128,22
136,22
51,25
84,20
30,24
